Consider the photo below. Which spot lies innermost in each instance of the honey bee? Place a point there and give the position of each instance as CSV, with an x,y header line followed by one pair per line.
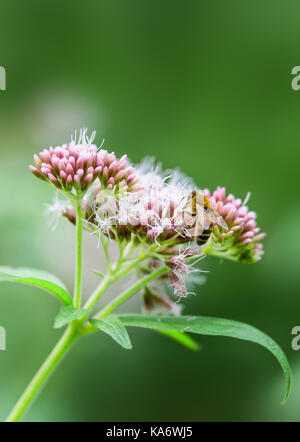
x,y
200,217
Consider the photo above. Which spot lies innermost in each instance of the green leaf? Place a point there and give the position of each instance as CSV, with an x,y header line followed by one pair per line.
x,y
67,313
214,327
182,338
37,278
114,328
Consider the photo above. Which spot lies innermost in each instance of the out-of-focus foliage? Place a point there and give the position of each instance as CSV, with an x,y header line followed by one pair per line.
x,y
199,85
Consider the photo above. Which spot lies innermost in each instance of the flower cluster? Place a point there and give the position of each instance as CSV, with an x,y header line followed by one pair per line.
x,y
75,165
147,207
115,174
179,271
151,214
243,238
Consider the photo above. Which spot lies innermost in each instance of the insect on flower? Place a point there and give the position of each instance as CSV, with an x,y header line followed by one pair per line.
x,y
201,217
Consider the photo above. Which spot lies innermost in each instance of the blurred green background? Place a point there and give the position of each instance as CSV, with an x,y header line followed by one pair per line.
x,y
204,86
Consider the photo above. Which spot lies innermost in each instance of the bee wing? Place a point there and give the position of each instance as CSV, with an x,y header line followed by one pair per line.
x,y
192,200
188,219
203,218
186,205
198,228
199,198
216,218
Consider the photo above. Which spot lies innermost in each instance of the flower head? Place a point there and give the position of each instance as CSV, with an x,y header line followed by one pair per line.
x,y
73,166
152,214
243,238
181,271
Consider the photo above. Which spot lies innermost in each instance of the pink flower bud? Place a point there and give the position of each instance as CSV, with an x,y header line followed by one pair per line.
x,y
69,170
63,175
88,179
53,178
36,172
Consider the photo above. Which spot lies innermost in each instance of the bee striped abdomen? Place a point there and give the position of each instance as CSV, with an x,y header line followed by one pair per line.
x,y
204,236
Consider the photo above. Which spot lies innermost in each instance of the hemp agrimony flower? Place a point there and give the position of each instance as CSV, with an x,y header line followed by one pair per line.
x,y
75,165
144,211
242,241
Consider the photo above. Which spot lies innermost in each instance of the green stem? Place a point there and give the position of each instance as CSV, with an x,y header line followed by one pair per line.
x,y
66,340
43,373
219,254
108,279
105,249
96,295
78,270
88,328
75,329
126,269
